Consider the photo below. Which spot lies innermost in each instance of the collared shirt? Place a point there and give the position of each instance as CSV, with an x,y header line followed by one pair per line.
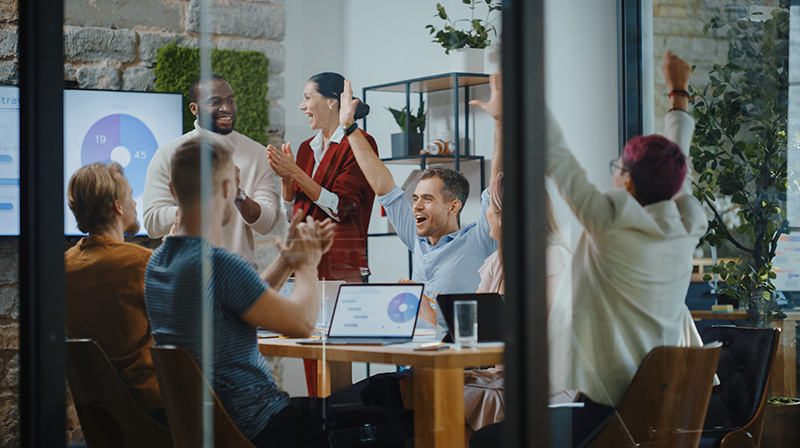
x,y
451,266
327,201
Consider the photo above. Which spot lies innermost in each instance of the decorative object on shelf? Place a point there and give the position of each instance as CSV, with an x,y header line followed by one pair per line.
x,y
409,141
437,147
739,152
468,43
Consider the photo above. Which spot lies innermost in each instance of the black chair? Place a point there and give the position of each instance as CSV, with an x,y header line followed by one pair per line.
x,y
735,416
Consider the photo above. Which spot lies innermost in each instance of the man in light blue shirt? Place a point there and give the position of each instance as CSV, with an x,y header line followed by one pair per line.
x,y
446,257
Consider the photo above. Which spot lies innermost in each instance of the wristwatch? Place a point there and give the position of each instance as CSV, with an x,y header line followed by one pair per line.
x,y
240,197
349,129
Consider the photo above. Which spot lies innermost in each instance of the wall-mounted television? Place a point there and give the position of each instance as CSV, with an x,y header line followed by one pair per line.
x,y
122,127
99,126
9,160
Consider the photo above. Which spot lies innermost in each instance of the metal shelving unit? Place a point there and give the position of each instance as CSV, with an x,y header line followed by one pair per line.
x,y
436,83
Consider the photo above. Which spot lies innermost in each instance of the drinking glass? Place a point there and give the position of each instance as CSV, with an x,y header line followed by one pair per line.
x,y
324,316
466,323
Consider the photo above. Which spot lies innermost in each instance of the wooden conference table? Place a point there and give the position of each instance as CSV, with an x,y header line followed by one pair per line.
x,y
438,379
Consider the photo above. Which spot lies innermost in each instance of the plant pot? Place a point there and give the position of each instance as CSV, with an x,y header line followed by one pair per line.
x,y
403,146
466,60
781,425
722,299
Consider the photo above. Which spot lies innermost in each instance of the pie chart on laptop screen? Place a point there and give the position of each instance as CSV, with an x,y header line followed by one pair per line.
x,y
403,307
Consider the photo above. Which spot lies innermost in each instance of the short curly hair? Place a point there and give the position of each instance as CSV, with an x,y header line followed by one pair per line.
x,y
91,194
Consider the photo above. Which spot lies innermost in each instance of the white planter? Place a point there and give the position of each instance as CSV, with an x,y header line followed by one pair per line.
x,y
492,57
466,60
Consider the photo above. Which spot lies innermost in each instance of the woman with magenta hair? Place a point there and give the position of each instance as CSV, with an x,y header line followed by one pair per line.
x,y
633,262
326,182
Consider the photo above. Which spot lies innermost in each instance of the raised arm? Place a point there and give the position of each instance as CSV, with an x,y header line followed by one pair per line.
x,y
678,124
378,176
495,108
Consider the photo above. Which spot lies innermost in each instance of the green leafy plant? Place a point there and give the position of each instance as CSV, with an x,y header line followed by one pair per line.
x,y
739,152
246,71
476,35
417,123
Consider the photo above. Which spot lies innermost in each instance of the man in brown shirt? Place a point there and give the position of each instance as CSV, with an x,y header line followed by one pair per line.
x,y
105,279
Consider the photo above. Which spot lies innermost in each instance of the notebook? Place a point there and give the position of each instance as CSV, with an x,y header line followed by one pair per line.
x,y
490,314
374,314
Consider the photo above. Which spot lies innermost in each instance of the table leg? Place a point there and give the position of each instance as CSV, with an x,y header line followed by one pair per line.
x,y
784,371
333,376
438,407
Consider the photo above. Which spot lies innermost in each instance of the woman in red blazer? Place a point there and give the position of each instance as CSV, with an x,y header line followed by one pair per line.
x,y
326,182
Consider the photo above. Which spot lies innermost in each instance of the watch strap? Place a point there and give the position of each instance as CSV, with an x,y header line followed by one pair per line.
x,y
350,129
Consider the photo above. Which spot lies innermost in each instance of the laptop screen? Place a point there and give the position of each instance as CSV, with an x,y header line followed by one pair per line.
x,y
376,310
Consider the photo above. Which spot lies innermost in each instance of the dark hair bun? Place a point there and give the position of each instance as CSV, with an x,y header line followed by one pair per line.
x,y
362,110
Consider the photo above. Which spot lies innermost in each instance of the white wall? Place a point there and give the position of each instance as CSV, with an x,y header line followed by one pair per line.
x,y
581,88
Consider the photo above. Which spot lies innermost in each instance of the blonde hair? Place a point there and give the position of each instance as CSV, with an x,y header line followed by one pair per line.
x,y
185,169
91,194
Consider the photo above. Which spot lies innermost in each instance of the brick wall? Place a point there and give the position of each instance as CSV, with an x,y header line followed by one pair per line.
x,y
112,45
678,26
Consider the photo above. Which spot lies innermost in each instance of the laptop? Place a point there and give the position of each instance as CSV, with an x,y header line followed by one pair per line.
x,y
490,314
373,314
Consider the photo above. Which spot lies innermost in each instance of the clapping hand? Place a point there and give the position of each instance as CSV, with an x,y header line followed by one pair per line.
x,y
282,161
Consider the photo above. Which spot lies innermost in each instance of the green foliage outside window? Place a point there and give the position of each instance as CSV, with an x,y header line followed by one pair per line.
x,y
246,71
739,152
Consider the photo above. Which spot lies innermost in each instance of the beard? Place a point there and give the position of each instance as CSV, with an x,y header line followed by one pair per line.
x,y
226,131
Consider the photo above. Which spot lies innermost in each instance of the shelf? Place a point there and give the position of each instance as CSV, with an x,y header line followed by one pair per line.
x,y
417,159
433,83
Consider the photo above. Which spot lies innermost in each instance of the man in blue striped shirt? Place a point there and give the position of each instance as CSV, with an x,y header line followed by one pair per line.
x,y
239,298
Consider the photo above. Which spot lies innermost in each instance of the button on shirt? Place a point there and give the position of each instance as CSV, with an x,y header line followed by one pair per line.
x,y
451,266
327,200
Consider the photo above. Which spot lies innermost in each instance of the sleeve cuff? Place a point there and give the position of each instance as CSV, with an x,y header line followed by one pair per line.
x,y
390,197
329,202
288,209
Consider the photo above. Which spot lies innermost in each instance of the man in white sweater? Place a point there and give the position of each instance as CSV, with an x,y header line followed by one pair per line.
x,y
214,105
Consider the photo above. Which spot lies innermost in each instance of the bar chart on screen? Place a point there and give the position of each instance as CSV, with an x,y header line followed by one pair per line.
x,y
9,160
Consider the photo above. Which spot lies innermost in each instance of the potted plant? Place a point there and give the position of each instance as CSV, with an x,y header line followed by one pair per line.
x,y
739,155
409,141
467,43
781,422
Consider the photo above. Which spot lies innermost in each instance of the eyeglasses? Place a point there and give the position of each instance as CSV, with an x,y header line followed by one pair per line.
x,y
613,167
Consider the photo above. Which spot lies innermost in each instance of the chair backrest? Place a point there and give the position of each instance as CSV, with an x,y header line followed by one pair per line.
x,y
182,386
110,416
744,371
666,402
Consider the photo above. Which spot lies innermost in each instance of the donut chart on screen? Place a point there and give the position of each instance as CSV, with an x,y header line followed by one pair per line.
x,y
403,307
123,139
